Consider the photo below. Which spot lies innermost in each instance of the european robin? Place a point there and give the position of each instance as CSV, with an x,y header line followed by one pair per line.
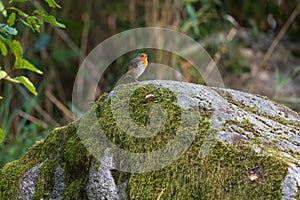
x,y
137,66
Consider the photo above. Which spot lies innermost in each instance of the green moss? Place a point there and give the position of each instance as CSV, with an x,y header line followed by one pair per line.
x,y
54,144
13,172
45,180
76,158
298,193
49,149
286,122
139,111
11,176
223,174
246,125
75,190
276,152
139,107
296,154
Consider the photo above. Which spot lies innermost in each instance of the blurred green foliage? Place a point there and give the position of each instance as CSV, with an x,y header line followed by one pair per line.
x,y
12,14
203,17
15,146
26,133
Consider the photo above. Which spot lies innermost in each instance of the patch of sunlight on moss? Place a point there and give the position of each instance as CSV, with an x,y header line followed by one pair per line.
x,y
139,112
223,174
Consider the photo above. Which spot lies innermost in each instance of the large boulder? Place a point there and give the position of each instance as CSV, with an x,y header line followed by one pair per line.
x,y
222,144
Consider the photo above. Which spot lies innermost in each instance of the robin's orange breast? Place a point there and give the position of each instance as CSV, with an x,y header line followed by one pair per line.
x,y
144,60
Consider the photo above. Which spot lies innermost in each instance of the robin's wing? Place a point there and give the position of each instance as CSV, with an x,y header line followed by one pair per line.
x,y
134,63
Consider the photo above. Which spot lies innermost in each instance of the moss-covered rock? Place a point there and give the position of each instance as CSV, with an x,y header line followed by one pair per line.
x,y
238,146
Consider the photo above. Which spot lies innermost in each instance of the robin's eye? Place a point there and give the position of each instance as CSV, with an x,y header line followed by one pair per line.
x,y
142,56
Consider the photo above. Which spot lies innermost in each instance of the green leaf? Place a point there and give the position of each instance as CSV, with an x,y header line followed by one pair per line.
x,y
15,48
25,64
52,4
11,19
5,76
39,12
3,48
52,20
4,28
2,74
20,12
24,22
32,23
2,136
47,18
4,12
27,83
21,63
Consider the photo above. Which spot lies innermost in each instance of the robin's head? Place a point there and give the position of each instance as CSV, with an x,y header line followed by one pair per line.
x,y
144,59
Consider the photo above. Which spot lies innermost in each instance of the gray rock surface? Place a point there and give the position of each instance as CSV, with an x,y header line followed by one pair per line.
x,y
236,116
264,116
241,116
59,185
28,183
101,183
